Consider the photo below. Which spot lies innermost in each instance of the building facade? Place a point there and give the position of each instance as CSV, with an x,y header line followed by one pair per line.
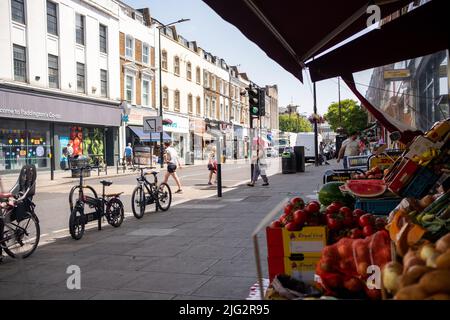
x,y
137,73
59,81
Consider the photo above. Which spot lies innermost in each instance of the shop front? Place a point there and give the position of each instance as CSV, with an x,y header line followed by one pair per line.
x,y
178,129
37,128
197,133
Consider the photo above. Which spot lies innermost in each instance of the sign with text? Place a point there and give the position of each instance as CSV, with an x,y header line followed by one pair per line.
x,y
397,74
153,124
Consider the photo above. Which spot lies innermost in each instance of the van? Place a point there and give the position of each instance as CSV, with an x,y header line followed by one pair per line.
x,y
306,139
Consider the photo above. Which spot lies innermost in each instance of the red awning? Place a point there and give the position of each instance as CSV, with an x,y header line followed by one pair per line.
x,y
422,31
291,32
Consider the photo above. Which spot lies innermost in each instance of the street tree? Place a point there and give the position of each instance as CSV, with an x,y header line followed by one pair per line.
x,y
294,123
354,117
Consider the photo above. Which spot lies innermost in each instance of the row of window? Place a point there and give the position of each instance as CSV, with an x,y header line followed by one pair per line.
x,y
130,90
130,50
20,71
18,15
176,99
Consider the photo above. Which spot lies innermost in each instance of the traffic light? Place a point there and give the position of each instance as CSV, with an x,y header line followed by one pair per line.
x,y
253,99
262,102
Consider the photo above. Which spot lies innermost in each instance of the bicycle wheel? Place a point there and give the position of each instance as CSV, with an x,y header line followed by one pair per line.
x,y
164,197
76,222
138,202
23,236
74,192
114,212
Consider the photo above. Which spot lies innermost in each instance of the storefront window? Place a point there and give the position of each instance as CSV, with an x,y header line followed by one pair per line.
x,y
24,142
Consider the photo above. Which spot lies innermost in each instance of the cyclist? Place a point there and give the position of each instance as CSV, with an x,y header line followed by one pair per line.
x,y
172,160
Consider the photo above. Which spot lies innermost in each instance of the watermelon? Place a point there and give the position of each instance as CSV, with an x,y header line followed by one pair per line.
x,y
366,188
330,192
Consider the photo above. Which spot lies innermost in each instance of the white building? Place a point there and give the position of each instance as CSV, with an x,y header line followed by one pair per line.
x,y
59,80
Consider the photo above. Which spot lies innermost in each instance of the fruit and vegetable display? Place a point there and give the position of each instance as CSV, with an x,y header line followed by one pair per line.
x,y
406,246
423,273
344,267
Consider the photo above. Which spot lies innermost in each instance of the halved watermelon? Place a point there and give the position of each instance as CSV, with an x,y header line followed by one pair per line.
x,y
366,188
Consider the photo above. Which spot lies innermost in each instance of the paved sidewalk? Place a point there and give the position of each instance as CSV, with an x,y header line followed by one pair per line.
x,y
65,177
200,249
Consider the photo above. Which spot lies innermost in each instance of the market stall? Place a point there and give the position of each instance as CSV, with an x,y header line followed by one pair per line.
x,y
383,234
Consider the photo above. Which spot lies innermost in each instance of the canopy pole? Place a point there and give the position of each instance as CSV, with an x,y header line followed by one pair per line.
x,y
316,133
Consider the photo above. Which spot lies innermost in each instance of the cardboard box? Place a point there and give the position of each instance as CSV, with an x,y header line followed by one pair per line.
x,y
300,267
283,243
421,145
403,176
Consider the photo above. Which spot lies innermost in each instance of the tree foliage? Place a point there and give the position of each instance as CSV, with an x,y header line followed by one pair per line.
x,y
294,123
354,117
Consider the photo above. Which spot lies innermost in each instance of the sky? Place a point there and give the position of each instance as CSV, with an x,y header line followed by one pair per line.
x,y
224,40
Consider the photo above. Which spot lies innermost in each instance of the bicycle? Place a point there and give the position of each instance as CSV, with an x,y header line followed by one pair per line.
x,y
147,193
19,224
108,205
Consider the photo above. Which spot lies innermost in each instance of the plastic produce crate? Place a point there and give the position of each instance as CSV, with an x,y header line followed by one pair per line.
x,y
378,206
420,184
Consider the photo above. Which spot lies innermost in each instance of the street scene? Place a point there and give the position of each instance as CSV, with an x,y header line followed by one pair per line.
x,y
208,150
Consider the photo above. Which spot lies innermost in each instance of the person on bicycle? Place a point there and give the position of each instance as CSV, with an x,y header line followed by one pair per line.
x,y
128,154
173,161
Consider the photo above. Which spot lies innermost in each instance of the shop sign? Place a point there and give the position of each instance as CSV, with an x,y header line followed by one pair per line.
x,y
29,113
179,124
397,74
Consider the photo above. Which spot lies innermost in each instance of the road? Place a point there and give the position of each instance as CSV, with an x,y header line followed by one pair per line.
x,y
52,205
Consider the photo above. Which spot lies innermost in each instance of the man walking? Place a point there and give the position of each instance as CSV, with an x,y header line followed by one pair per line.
x,y
349,148
172,160
128,154
259,168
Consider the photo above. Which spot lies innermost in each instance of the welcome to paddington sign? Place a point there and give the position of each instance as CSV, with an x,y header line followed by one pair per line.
x,y
29,113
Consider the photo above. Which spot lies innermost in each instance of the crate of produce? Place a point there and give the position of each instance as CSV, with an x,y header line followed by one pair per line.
x,y
420,184
378,206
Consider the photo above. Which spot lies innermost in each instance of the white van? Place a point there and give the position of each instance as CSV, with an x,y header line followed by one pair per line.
x,y
306,139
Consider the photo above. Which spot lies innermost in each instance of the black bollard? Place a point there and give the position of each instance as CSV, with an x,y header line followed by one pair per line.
x,y
219,180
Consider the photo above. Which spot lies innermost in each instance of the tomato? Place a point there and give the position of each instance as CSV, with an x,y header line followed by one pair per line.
x,y
300,217
333,280
313,206
358,213
356,233
366,220
288,208
297,202
380,223
330,252
345,211
333,223
353,285
291,226
368,230
348,219
373,294
275,224
337,204
332,208
345,250
326,264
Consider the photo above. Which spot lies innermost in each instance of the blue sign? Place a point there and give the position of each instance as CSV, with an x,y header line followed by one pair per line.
x,y
125,118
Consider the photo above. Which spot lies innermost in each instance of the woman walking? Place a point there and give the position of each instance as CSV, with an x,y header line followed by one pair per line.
x,y
212,165
172,160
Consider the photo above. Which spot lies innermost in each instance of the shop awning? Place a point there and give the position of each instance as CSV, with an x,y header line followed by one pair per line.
x,y
148,137
419,32
291,32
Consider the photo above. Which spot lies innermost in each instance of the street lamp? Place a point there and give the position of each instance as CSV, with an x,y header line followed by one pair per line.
x,y
160,84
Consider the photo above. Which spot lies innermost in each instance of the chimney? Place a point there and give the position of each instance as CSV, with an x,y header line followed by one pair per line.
x,y
146,15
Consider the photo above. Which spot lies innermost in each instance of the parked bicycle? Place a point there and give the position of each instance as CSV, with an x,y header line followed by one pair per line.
x,y
19,225
147,193
108,205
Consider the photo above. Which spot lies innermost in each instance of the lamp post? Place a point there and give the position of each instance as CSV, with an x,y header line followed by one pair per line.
x,y
160,84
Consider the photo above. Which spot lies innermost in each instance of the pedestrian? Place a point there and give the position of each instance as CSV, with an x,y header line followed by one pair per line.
x,y
322,154
259,168
173,162
212,165
349,148
128,154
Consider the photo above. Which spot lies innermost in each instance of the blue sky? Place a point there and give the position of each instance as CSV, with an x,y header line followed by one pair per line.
x,y
224,40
